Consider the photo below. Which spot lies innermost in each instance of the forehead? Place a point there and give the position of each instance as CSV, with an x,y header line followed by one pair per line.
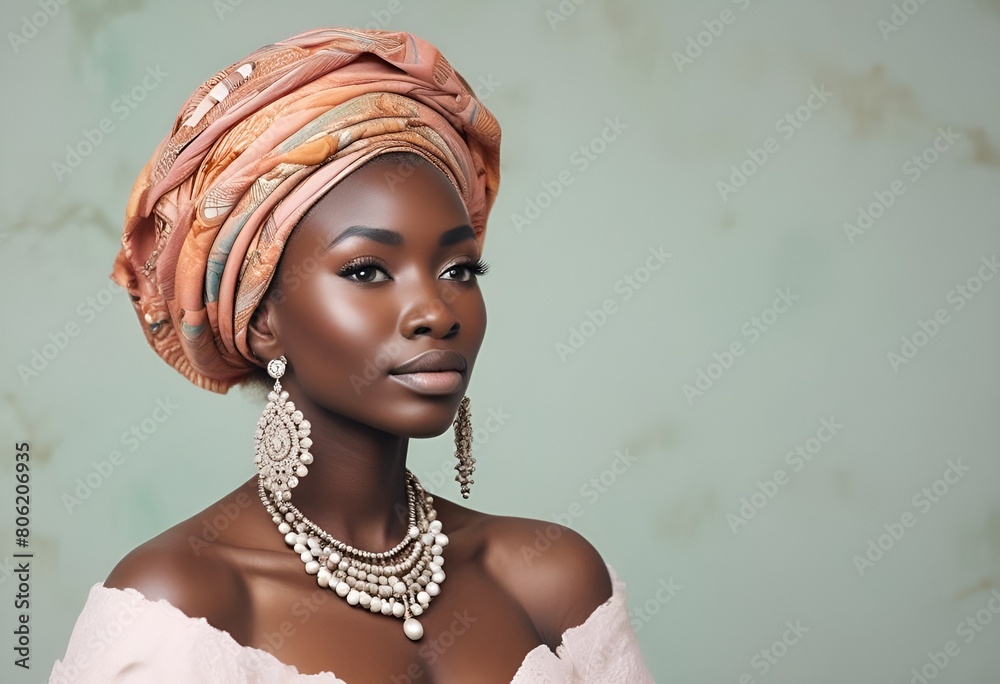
x,y
401,192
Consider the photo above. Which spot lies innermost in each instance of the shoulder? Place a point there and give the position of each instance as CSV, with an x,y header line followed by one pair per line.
x,y
198,583
552,571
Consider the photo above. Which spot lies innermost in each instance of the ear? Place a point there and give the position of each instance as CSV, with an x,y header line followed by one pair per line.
x,y
262,333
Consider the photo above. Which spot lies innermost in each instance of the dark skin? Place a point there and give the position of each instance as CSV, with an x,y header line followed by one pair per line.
x,y
506,592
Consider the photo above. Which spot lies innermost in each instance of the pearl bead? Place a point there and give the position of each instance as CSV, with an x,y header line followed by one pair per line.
x,y
353,597
323,578
386,608
399,588
437,549
427,539
306,457
413,629
291,538
364,599
342,589
423,597
435,527
284,528
375,605
416,610
433,589
437,577
306,556
398,610
441,540
312,567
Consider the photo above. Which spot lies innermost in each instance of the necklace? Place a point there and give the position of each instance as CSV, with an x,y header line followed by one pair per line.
x,y
400,582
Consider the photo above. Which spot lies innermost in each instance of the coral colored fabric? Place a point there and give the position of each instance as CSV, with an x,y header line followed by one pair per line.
x,y
122,638
253,148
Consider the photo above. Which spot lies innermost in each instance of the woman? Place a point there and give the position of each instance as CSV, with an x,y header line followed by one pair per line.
x,y
334,564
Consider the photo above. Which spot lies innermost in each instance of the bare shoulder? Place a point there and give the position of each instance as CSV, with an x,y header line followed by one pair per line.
x,y
187,575
551,570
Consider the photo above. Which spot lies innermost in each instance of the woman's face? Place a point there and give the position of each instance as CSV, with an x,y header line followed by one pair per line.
x,y
381,270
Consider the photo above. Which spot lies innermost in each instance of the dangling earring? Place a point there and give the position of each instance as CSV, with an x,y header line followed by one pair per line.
x,y
281,442
463,447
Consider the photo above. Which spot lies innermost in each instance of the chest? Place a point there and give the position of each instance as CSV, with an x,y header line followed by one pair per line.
x,y
473,631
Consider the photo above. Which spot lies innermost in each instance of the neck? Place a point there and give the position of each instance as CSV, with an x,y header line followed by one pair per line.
x,y
355,489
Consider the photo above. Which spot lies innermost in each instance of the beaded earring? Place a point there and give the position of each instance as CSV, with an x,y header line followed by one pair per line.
x,y
281,442
463,447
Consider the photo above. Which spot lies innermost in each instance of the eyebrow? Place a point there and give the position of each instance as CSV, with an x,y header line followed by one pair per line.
x,y
392,238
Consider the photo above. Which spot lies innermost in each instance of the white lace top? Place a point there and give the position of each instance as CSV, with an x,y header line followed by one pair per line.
x,y
122,637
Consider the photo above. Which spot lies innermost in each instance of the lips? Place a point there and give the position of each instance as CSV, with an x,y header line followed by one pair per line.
x,y
432,373
435,361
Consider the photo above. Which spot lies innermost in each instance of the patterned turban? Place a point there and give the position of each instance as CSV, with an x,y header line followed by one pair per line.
x,y
257,145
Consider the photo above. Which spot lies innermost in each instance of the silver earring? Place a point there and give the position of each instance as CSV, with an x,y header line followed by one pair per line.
x,y
281,442
463,447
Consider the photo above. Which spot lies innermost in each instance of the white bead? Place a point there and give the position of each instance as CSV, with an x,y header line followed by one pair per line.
x,y
284,528
416,610
323,578
423,597
293,481
437,577
434,527
312,567
301,471
291,539
427,539
438,560
386,608
299,548
437,549
342,589
432,589
413,532
353,597
334,557
413,629
306,556
441,540
306,457
398,610
399,588
365,599
375,605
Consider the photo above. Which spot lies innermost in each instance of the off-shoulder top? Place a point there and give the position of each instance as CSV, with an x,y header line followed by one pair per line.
x,y
124,638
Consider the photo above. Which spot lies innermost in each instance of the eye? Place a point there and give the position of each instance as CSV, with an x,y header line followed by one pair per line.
x,y
364,270
463,273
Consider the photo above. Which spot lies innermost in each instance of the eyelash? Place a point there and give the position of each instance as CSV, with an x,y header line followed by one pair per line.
x,y
355,266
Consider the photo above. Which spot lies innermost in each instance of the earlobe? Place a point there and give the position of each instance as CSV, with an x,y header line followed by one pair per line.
x,y
262,335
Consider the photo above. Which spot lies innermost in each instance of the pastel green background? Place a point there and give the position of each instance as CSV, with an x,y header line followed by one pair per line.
x,y
554,80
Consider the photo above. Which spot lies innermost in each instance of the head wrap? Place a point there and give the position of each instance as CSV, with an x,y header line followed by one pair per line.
x,y
257,145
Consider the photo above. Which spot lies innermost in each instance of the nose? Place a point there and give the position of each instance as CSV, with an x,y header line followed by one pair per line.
x,y
428,311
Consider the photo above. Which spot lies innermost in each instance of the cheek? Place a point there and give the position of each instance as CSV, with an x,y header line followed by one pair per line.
x,y
334,321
